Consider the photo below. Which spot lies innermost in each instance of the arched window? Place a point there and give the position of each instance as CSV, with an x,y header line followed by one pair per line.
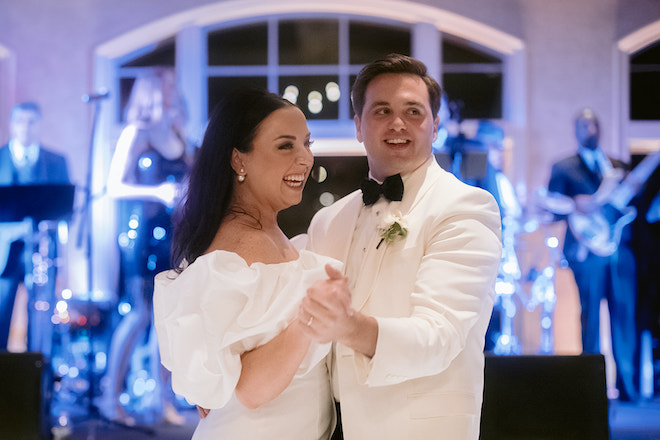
x,y
313,61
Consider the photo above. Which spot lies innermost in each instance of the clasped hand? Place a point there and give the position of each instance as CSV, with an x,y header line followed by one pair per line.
x,y
325,312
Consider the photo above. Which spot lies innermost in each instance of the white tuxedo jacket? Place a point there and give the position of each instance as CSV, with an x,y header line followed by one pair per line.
x,y
432,294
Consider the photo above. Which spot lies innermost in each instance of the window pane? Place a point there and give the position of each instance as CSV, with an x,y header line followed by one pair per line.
x,y
308,42
321,101
480,93
644,95
220,86
162,55
125,87
239,46
644,84
456,52
648,55
370,41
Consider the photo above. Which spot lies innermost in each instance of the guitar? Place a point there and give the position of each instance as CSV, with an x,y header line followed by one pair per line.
x,y
600,231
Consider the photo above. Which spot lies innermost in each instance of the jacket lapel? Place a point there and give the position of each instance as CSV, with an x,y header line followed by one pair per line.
x,y
366,285
344,226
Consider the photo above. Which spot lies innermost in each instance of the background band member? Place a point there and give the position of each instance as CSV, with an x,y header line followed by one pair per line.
x,y
147,173
599,276
23,161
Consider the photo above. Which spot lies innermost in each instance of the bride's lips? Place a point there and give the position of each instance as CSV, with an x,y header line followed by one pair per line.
x,y
295,180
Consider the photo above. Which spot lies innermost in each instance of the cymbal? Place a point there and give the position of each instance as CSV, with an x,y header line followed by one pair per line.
x,y
554,202
520,225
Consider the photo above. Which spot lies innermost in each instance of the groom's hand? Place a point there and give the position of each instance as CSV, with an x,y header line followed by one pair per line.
x,y
326,310
326,315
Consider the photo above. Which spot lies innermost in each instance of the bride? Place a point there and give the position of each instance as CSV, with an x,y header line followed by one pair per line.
x,y
227,316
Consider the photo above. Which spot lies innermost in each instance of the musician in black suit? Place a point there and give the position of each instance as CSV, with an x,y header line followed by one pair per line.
x,y
23,161
612,277
646,244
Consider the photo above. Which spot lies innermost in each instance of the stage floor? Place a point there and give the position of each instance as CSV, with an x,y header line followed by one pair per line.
x,y
635,421
627,422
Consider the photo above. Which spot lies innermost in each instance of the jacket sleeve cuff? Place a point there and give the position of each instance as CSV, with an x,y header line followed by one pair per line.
x,y
377,371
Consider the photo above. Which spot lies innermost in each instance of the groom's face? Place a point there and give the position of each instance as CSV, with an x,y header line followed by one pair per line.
x,y
397,126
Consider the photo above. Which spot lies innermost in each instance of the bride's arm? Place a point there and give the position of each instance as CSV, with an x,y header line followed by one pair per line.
x,y
129,147
268,369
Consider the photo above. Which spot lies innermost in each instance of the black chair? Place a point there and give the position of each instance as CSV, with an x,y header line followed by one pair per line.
x,y
545,398
22,414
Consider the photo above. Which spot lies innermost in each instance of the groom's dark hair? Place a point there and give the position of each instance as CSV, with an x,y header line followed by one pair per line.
x,y
394,63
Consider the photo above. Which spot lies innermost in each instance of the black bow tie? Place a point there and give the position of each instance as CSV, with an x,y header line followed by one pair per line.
x,y
392,189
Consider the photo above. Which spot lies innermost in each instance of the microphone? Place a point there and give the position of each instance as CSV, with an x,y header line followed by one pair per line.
x,y
102,93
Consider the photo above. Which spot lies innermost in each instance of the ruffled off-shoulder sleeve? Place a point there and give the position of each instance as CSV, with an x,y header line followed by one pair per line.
x,y
218,308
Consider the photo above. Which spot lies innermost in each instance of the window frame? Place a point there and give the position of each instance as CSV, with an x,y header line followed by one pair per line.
x,y
343,126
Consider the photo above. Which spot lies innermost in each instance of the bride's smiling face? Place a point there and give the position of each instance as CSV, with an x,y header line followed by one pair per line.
x,y
279,162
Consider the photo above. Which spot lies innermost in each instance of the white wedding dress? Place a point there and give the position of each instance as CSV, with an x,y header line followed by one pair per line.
x,y
218,308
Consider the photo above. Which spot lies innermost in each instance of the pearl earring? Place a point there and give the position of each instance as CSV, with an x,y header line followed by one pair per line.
x,y
241,176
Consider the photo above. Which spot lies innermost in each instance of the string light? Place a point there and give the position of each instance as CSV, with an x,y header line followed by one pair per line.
x,y
332,91
291,94
315,102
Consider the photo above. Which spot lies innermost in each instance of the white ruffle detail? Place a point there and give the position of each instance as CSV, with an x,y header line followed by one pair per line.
x,y
218,308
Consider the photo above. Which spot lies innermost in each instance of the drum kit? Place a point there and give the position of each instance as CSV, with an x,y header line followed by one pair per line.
x,y
536,288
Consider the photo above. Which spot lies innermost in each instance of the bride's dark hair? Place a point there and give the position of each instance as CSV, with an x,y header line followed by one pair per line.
x,y
233,124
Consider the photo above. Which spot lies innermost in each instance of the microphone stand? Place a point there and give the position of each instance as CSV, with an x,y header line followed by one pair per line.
x,y
86,228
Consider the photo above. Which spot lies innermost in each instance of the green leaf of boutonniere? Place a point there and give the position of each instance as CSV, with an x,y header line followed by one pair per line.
x,y
393,228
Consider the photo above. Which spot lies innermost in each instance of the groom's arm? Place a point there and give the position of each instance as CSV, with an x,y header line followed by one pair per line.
x,y
451,294
451,298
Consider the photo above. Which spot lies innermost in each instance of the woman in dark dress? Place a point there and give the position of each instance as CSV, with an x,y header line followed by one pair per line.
x,y
147,174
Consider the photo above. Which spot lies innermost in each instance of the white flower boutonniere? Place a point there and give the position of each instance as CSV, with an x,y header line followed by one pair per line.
x,y
394,227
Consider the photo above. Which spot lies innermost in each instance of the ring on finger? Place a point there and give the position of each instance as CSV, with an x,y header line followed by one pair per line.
x,y
309,322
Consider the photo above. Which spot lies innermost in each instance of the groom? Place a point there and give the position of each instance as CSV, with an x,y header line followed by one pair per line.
x,y
421,254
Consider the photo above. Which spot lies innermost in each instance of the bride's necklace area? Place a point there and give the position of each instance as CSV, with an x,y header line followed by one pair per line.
x,y
244,218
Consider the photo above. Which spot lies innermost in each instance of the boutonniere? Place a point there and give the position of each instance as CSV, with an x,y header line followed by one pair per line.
x,y
394,227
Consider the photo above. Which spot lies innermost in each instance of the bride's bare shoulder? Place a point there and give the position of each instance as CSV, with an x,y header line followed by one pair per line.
x,y
253,245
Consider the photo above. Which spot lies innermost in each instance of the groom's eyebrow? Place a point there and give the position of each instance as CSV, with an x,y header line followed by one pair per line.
x,y
380,104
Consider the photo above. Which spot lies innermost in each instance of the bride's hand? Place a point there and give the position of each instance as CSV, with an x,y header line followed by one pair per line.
x,y
326,313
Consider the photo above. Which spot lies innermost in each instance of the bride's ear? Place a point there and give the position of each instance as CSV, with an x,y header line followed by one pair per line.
x,y
237,163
